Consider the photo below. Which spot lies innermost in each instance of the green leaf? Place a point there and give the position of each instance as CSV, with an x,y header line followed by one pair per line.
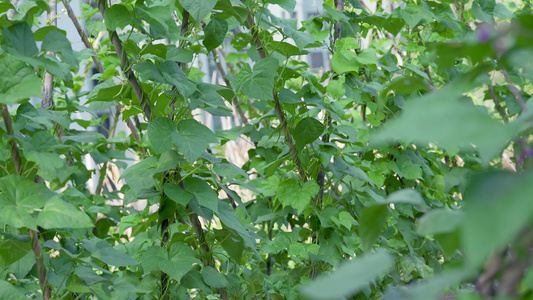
x,y
287,5
406,84
466,124
213,278
24,192
177,194
118,16
208,95
48,163
202,191
157,16
192,139
288,96
198,9
149,71
18,40
291,194
512,105
429,289
12,250
268,64
60,214
215,33
10,292
439,221
337,16
307,131
16,216
287,49
344,219
344,61
408,196
193,280
173,75
501,11
5,6
152,257
481,14
127,222
57,42
367,57
37,149
230,220
160,134
48,118
41,33
229,170
139,176
349,131
159,50
22,83
182,259
416,71
494,199
350,278
412,14
168,160
259,85
109,255
180,55
336,88
23,266
341,166
51,64
371,223
301,39
169,73
41,141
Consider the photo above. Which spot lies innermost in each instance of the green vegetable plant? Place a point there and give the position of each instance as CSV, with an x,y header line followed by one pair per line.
x,y
401,169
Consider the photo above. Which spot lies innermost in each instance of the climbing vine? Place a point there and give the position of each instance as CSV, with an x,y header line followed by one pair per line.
x,y
196,149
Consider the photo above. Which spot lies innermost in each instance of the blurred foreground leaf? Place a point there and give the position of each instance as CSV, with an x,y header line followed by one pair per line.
x,y
350,277
498,206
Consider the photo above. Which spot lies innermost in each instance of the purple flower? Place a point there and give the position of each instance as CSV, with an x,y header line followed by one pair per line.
x,y
483,34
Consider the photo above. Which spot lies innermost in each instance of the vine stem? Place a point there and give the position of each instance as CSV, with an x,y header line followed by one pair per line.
x,y
194,218
235,99
232,72
288,137
126,67
46,103
13,143
83,37
183,31
202,243
165,223
499,108
48,81
321,177
514,90
103,170
514,271
36,247
278,108
99,67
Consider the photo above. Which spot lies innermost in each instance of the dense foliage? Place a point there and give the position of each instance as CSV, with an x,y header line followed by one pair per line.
x,y
401,168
